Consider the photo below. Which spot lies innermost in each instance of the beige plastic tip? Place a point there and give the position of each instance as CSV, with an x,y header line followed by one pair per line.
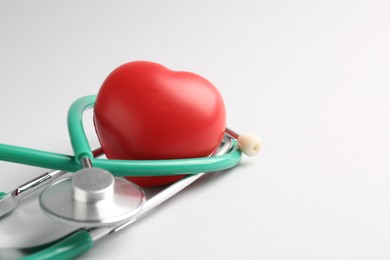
x,y
249,144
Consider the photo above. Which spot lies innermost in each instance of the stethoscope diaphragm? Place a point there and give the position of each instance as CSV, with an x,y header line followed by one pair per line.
x,y
92,197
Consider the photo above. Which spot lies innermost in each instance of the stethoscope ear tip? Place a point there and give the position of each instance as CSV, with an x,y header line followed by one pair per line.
x,y
249,144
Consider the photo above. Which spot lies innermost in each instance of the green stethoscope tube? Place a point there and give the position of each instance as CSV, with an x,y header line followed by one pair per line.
x,y
68,248
117,167
3,194
76,131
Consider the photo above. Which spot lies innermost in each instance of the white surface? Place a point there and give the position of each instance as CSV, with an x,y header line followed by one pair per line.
x,y
310,77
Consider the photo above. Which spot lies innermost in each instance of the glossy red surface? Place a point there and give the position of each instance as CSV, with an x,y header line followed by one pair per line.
x,y
145,111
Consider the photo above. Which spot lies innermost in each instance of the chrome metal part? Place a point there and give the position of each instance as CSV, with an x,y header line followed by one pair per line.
x,y
58,201
38,182
231,133
86,162
91,185
181,184
11,200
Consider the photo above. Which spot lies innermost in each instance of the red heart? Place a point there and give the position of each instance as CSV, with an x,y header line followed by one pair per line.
x,y
146,111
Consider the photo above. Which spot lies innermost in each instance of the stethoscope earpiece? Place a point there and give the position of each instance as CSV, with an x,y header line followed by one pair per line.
x,y
249,144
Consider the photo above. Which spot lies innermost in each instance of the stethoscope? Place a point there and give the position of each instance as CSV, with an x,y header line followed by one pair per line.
x,y
92,197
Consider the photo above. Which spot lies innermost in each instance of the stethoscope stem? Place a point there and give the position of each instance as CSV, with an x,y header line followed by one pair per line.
x,y
37,183
86,162
231,133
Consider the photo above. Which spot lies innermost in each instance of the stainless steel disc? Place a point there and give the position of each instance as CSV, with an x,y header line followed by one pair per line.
x,y
77,202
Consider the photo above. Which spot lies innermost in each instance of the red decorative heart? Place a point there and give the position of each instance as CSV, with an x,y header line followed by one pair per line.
x,y
146,111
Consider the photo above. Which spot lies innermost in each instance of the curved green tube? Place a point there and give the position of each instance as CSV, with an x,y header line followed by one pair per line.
x,y
68,248
121,167
77,135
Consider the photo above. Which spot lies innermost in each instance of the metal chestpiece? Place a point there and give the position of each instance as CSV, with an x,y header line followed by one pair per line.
x,y
91,185
92,197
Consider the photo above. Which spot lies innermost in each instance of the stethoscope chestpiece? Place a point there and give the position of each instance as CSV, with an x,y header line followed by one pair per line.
x,y
92,197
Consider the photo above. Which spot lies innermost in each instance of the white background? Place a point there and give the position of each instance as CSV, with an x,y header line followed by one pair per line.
x,y
310,77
